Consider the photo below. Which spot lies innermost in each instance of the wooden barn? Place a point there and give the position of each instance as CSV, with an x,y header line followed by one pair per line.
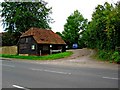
x,y
39,42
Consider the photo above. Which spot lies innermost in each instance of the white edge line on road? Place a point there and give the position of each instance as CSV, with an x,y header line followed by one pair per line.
x,y
8,65
110,78
16,86
45,70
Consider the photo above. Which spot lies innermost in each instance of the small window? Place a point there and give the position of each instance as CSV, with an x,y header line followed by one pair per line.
x,y
26,40
33,47
22,40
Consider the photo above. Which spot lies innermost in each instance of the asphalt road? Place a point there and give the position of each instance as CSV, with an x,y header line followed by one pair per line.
x,y
25,75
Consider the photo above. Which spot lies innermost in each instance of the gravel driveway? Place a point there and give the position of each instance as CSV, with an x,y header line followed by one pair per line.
x,y
81,58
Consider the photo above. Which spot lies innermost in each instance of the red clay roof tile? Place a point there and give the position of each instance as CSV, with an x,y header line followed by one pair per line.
x,y
43,36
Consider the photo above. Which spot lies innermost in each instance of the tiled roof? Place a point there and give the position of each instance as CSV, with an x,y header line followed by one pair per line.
x,y
43,36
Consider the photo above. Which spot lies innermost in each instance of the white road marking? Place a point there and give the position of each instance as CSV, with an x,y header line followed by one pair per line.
x,y
37,69
45,70
57,72
16,86
8,65
110,78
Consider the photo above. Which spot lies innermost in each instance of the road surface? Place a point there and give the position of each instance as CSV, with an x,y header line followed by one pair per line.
x,y
29,74
17,74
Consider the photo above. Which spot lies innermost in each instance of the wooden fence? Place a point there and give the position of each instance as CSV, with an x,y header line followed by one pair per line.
x,y
118,49
8,50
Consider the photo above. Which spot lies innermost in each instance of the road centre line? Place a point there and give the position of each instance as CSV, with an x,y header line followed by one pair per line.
x,y
8,65
57,72
110,78
16,86
45,70
36,69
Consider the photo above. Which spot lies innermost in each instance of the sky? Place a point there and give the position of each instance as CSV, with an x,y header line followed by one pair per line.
x,y
61,9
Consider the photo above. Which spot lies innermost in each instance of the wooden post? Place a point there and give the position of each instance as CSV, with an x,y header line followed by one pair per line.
x,y
50,51
40,52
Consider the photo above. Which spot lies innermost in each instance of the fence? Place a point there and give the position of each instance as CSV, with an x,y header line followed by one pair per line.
x,y
8,50
118,49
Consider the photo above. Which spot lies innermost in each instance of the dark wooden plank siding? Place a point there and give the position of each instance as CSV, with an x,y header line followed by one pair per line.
x,y
25,46
44,48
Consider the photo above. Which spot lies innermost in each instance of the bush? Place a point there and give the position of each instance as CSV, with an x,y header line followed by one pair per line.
x,y
104,55
116,57
101,54
109,56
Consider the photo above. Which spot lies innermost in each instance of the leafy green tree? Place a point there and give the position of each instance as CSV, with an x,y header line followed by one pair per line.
x,y
113,27
7,39
60,34
101,30
75,24
20,16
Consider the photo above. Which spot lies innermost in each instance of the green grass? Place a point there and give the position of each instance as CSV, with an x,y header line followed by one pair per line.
x,y
107,56
48,57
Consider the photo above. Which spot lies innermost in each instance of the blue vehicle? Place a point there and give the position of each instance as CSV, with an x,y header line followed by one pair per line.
x,y
75,45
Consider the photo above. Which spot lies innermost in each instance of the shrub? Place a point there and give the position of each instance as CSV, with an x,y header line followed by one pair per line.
x,y
116,57
109,55
104,55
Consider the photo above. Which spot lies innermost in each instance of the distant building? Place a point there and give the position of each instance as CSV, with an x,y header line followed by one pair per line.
x,y
39,42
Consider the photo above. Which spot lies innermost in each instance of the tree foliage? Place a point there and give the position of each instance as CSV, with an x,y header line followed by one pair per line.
x,y
75,23
103,31
20,16
60,34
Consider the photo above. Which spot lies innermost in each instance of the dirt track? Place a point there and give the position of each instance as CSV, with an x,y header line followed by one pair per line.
x,y
81,58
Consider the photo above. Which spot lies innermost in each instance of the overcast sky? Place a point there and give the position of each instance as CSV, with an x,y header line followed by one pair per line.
x,y
63,8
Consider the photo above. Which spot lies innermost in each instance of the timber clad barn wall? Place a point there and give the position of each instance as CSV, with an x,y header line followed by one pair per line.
x,y
25,46
39,42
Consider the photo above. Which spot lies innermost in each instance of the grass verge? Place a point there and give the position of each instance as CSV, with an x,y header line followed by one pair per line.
x,y
48,57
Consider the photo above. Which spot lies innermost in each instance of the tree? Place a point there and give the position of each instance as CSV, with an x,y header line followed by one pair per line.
x,y
95,34
20,16
75,24
7,39
113,26
103,32
60,34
